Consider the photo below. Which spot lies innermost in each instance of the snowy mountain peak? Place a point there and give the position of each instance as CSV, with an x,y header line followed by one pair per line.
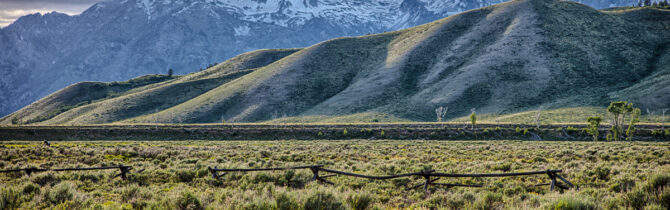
x,y
292,13
120,39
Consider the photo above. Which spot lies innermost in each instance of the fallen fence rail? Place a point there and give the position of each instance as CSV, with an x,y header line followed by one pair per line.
x,y
426,174
124,170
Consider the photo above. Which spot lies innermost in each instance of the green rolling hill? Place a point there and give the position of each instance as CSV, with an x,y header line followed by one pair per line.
x,y
508,58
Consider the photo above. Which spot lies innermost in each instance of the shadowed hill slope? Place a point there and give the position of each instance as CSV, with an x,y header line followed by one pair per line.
x,y
96,102
506,58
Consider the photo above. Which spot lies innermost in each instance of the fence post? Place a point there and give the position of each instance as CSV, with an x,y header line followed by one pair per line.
x,y
124,171
315,171
428,181
553,180
565,180
30,171
215,175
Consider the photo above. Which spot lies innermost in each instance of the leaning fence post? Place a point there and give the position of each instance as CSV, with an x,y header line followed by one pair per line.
x,y
553,180
565,180
215,175
124,170
427,177
315,171
29,171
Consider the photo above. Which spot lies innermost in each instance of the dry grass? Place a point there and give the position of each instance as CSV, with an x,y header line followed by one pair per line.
x,y
175,174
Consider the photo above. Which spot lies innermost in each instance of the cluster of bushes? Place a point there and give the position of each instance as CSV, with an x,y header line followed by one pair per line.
x,y
176,174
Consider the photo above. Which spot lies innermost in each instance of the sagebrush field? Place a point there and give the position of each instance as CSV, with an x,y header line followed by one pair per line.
x,y
608,175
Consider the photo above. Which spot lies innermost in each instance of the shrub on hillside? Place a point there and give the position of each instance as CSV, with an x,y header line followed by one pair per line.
x,y
44,179
490,200
188,201
664,199
286,202
31,189
10,199
658,183
185,175
323,201
360,201
571,203
60,193
635,199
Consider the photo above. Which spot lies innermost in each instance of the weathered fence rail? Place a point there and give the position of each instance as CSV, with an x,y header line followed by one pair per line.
x,y
429,175
124,170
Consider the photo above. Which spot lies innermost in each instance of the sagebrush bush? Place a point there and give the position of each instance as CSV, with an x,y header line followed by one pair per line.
x,y
323,201
571,203
158,188
185,175
69,205
490,200
360,201
60,193
622,185
664,199
31,189
602,173
129,193
657,183
188,201
10,199
259,205
44,179
435,201
652,206
285,202
635,199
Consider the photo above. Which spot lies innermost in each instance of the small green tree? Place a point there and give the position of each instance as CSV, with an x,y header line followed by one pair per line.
x,y
170,72
473,118
618,111
594,123
635,118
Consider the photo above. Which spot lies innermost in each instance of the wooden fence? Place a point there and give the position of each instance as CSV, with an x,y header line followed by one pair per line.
x,y
123,169
430,176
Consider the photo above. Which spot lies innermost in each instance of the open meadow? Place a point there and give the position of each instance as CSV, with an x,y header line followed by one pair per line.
x,y
174,175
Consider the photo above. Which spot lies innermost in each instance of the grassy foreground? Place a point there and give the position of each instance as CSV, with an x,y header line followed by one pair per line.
x,y
609,175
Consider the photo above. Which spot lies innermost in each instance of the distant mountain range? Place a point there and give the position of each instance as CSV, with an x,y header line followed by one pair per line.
x,y
504,58
119,40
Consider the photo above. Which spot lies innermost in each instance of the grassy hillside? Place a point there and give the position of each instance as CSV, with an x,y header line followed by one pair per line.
x,y
97,102
503,59
77,95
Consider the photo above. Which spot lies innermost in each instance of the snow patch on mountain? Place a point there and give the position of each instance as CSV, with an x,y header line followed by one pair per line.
x,y
120,39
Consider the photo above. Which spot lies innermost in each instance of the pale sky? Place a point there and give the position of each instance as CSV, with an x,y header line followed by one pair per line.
x,y
10,10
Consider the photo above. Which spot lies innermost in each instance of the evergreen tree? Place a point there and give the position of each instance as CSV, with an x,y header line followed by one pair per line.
x,y
170,72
